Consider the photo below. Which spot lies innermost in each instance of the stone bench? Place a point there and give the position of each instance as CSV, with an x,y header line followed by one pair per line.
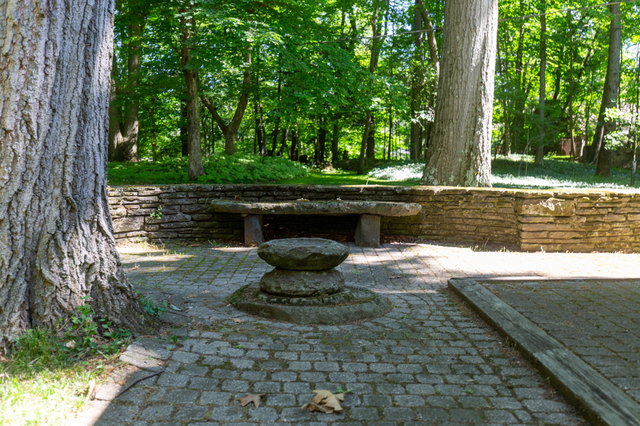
x,y
367,232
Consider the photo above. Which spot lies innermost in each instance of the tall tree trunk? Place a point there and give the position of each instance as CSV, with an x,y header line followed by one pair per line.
x,y
322,138
283,144
371,139
184,131
335,155
417,85
56,236
431,34
543,84
460,154
373,65
517,132
609,94
230,130
294,154
131,125
115,116
188,28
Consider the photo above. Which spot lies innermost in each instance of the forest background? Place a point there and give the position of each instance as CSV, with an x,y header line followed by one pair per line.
x,y
346,82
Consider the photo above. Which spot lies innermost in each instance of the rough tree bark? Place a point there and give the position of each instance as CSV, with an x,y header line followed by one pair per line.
x,y
56,236
609,94
188,28
460,154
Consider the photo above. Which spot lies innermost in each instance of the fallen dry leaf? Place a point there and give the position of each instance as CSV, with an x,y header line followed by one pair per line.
x,y
325,401
315,407
251,398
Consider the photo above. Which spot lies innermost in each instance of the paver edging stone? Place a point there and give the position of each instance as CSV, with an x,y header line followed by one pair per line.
x,y
599,400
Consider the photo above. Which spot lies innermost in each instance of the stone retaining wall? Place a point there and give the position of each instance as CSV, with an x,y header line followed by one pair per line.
x,y
575,220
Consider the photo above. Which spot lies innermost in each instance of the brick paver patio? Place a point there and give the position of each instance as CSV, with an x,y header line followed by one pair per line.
x,y
428,361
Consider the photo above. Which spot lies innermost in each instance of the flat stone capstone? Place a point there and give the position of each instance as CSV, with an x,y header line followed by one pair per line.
x,y
324,208
303,254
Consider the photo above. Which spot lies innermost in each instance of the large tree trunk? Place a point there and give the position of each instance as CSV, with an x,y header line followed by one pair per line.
x,y
187,28
460,154
609,94
56,236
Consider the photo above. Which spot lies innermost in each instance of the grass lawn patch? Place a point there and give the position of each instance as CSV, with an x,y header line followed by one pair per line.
x,y
46,376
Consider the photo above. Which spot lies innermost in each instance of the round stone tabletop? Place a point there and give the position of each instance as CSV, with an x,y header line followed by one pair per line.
x,y
303,254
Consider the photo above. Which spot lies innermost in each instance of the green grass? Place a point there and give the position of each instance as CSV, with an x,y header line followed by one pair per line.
x,y
48,375
555,173
219,169
340,177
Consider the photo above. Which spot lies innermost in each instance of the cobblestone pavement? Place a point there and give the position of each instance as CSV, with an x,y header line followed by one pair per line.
x,y
597,320
428,361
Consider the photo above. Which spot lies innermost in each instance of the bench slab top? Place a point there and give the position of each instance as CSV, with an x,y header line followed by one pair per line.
x,y
327,208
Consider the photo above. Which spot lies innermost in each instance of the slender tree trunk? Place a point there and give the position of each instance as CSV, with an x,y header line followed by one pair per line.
x,y
431,34
322,138
230,130
373,65
517,132
571,89
417,85
131,125
56,236
188,28
460,154
184,132
371,139
609,95
363,144
335,155
294,155
283,144
115,116
543,85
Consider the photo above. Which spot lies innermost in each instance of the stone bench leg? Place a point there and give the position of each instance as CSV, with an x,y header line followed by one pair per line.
x,y
253,235
368,231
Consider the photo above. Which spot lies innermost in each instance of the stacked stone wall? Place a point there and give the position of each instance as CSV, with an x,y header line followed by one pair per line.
x,y
531,220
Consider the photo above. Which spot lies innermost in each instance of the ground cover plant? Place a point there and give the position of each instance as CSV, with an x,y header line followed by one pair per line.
x,y
46,376
245,168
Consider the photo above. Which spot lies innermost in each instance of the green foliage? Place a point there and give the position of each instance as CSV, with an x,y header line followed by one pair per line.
x,y
86,334
247,168
158,214
152,308
50,374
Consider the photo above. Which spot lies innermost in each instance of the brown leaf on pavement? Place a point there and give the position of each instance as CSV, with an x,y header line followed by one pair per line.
x,y
325,402
315,407
251,398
